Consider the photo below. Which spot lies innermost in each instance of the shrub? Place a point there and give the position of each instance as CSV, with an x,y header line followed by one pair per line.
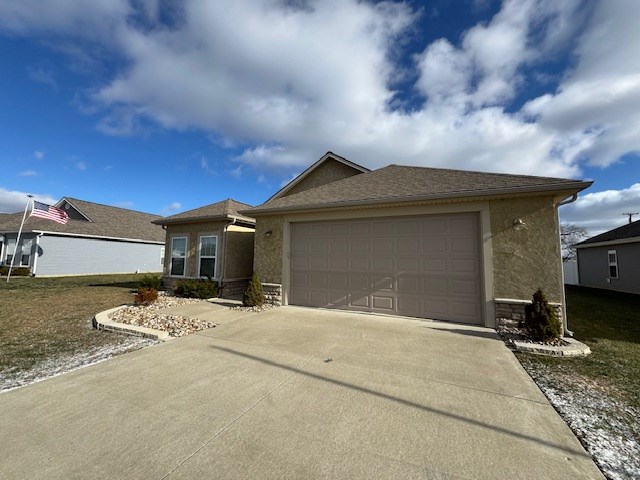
x,y
197,288
146,296
541,320
150,281
16,272
253,295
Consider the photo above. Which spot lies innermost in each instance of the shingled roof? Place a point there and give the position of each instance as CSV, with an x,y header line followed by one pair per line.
x,y
397,183
630,230
224,210
104,221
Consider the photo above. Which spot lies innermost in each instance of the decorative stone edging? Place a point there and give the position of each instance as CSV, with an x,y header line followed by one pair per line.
x,y
101,321
574,349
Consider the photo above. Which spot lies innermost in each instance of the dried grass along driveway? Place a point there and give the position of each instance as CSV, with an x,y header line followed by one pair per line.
x,y
45,324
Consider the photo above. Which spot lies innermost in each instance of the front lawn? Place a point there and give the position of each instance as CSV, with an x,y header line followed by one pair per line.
x,y
45,323
598,395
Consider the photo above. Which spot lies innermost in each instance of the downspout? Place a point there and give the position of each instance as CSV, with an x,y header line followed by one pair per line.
x,y
565,327
224,253
35,254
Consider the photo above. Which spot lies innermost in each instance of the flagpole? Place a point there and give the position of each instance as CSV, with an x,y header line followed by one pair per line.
x,y
15,250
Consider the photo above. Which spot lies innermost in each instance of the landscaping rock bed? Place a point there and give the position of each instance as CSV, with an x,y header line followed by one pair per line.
x,y
261,308
511,333
148,316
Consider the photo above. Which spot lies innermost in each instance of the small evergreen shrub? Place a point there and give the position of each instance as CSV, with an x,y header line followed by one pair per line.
x,y
541,320
253,295
197,288
16,272
146,296
150,281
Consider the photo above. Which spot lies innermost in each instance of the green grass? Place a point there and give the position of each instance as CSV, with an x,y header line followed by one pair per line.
x,y
44,318
609,322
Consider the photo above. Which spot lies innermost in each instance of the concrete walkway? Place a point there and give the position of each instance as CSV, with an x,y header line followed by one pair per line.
x,y
295,393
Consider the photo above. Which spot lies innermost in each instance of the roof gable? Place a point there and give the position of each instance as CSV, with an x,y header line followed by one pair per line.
x,y
73,212
329,168
630,230
397,184
225,209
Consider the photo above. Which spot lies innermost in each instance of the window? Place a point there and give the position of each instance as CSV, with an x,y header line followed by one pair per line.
x,y
208,256
25,251
11,249
178,256
613,263
162,250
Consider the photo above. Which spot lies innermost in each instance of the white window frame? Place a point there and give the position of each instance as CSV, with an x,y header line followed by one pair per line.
x,y
613,263
186,254
7,247
215,256
162,255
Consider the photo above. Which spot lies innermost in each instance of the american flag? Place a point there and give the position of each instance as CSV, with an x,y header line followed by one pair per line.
x,y
43,210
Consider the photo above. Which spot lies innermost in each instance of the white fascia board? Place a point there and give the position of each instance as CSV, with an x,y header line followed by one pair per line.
x,y
99,237
622,241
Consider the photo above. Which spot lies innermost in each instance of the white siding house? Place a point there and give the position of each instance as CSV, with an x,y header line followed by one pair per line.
x,y
97,239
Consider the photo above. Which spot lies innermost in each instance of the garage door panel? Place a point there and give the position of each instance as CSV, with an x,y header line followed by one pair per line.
x,y
408,265
338,229
341,263
383,303
359,300
318,280
426,266
360,263
381,283
318,263
434,265
360,228
382,264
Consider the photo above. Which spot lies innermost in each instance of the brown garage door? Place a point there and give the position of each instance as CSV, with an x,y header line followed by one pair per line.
x,y
425,266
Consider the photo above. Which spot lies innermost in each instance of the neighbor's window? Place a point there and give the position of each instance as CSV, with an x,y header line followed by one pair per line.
x,y
208,256
11,249
178,256
25,252
613,263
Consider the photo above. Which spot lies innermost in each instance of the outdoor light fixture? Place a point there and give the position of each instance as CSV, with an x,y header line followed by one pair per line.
x,y
268,233
518,224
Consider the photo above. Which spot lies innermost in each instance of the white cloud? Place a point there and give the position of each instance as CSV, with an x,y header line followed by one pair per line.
x,y
28,173
601,211
290,81
38,154
124,204
12,201
171,208
42,75
81,166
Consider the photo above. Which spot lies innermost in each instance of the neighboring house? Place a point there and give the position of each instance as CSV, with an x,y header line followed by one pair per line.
x,y
611,260
424,242
213,241
97,239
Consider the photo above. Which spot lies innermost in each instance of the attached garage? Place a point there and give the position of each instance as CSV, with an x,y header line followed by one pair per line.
x,y
431,243
422,266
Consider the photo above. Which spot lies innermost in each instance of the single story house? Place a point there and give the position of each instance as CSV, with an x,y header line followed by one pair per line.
x,y
611,260
96,239
425,242
214,241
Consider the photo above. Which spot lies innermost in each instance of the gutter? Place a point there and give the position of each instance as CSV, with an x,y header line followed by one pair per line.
x,y
100,237
565,325
558,187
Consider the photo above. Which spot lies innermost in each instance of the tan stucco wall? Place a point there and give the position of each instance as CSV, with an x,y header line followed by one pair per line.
x,y
193,231
327,172
525,259
239,253
268,249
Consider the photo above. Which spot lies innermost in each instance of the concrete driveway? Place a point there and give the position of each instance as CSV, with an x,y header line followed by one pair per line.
x,y
295,393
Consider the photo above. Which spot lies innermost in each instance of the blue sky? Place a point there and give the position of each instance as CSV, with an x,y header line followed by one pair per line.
x,y
164,107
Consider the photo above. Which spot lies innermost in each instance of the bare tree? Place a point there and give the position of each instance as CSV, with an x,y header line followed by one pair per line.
x,y
570,234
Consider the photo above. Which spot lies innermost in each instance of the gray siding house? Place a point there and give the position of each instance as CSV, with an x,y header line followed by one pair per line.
x,y
611,260
97,239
